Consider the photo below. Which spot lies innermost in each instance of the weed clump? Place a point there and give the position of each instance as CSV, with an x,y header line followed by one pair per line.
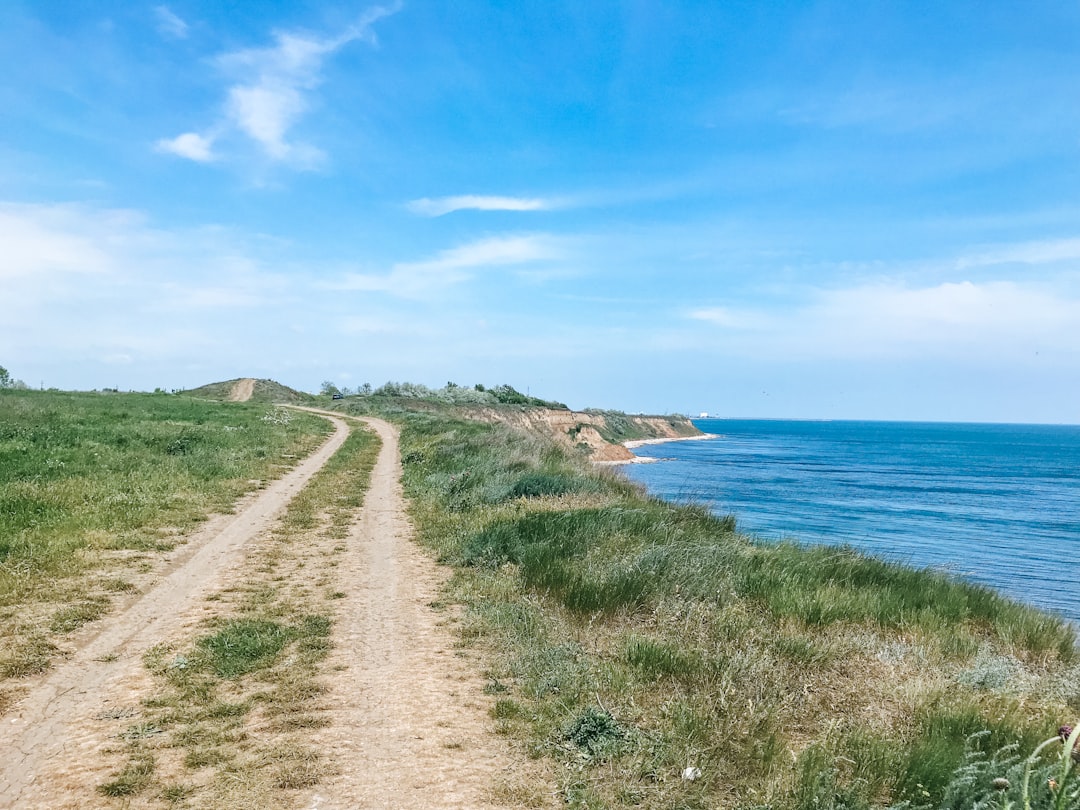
x,y
244,645
595,732
543,484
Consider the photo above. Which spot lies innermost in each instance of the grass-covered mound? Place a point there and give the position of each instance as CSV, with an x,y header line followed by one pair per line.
x,y
264,391
89,481
664,660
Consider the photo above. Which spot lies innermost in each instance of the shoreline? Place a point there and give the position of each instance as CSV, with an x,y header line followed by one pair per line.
x,y
630,445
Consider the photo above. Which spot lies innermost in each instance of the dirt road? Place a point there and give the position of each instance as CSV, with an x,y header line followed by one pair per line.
x,y
409,725
51,739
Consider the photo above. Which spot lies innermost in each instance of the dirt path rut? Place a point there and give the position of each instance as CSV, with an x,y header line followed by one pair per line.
x,y
51,737
409,726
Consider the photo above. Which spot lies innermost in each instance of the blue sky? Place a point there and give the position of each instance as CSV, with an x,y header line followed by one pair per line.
x,y
823,210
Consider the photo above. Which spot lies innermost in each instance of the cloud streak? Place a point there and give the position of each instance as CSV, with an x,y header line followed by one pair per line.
x,y
190,145
982,322
269,94
169,24
441,206
453,266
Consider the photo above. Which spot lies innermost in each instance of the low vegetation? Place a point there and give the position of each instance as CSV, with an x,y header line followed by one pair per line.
x,y
94,486
450,394
662,659
229,718
656,656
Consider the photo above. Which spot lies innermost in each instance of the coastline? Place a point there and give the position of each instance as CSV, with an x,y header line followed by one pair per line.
x,y
630,445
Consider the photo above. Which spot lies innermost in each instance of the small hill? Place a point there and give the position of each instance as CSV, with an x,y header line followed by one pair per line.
x,y
261,391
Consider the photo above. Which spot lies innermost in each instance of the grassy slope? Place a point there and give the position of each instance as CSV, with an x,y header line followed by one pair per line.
x,y
93,485
633,639
265,391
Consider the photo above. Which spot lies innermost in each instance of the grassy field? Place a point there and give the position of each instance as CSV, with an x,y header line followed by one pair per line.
x,y
94,486
664,660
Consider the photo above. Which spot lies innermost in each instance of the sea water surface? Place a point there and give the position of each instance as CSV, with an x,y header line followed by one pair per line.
x,y
997,504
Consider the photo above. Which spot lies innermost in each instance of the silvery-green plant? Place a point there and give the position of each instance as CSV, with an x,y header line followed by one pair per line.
x,y
1005,781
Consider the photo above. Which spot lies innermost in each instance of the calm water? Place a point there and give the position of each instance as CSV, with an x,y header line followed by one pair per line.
x,y
998,504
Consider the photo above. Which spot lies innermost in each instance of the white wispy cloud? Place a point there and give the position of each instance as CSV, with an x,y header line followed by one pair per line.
x,y
439,206
43,241
79,256
190,145
169,24
733,318
888,320
270,90
1050,251
453,266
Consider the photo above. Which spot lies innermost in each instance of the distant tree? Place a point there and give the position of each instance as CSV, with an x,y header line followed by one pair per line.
x,y
329,389
364,390
389,389
5,378
508,395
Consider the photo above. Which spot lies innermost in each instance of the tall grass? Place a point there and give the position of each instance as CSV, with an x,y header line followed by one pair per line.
x,y
774,675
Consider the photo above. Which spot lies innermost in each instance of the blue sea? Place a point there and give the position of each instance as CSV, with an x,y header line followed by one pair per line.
x,y
996,504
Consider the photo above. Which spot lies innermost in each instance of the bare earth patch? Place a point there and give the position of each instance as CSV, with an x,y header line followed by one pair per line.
x,y
243,390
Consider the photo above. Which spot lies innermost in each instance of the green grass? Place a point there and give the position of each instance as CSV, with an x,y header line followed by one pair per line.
x,y
632,639
89,481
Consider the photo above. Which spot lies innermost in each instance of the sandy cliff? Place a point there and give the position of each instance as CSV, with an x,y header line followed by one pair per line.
x,y
600,435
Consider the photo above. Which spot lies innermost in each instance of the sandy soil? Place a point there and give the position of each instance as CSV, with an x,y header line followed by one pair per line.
x,y
409,721
53,735
242,391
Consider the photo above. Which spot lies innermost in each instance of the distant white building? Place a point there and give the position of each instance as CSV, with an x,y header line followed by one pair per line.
x,y
703,415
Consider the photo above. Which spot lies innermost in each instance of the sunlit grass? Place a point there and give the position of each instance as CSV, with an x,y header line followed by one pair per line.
x,y
91,483
779,675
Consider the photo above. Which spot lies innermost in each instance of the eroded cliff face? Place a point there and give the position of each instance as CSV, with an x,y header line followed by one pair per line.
x,y
598,435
